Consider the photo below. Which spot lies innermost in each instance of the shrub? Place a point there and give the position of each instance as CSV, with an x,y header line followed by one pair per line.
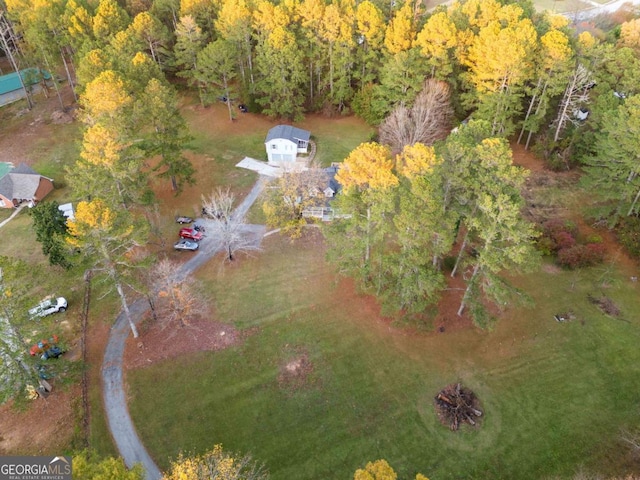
x,y
564,240
581,255
628,233
557,234
594,238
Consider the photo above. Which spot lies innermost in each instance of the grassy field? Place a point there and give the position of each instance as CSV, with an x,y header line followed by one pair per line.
x,y
555,395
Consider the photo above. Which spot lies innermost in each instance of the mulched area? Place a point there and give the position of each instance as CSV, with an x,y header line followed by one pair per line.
x,y
156,344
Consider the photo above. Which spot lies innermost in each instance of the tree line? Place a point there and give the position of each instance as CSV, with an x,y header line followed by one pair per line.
x,y
525,72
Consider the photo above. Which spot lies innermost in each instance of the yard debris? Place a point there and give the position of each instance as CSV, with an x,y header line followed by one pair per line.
x,y
564,317
605,304
456,404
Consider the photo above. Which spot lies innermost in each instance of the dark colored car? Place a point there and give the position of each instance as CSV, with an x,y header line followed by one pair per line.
x,y
186,244
191,234
47,348
243,108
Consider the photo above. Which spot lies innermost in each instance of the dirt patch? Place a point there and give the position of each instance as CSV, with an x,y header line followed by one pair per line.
x,y
156,344
525,158
295,373
606,305
550,268
18,137
44,427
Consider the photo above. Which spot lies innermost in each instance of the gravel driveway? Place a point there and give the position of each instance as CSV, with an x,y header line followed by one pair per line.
x,y
115,403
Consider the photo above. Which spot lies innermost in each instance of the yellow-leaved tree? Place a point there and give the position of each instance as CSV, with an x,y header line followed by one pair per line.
x,y
368,166
380,470
106,100
500,62
401,31
109,237
216,464
367,178
437,41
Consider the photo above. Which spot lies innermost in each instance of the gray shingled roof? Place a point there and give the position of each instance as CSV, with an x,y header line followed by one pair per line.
x,y
288,132
20,182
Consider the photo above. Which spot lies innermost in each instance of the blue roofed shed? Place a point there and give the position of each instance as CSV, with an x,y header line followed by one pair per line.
x,y
11,89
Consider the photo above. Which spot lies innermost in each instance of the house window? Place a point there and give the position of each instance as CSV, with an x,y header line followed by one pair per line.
x,y
274,147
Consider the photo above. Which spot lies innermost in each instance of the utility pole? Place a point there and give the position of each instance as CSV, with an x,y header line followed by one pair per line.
x,y
6,31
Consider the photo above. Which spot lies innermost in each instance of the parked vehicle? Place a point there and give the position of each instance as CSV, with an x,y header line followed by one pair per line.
x,y
47,348
191,234
42,345
182,220
186,244
48,306
243,108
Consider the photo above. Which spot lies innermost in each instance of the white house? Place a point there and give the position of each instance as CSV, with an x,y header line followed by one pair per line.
x,y
284,143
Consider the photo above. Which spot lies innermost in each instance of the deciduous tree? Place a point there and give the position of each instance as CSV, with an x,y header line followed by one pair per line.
x,y
152,34
226,226
176,299
427,120
437,41
368,179
109,237
500,63
216,464
234,24
108,20
290,195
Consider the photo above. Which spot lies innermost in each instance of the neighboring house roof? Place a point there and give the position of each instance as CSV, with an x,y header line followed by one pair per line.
x,y
332,182
30,76
289,133
21,182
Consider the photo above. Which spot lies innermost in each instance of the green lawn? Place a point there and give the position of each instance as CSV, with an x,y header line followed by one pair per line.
x,y
555,395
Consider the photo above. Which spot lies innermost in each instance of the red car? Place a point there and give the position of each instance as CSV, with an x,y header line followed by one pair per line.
x,y
43,345
191,234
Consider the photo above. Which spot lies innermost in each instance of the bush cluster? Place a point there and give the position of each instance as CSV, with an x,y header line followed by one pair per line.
x,y
628,233
560,238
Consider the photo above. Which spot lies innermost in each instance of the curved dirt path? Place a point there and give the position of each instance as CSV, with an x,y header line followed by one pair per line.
x,y
115,403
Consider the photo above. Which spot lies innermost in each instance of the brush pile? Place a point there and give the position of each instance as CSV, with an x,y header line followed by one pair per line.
x,y
456,404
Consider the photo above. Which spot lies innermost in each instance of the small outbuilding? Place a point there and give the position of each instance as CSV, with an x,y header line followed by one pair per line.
x,y
11,89
22,184
284,143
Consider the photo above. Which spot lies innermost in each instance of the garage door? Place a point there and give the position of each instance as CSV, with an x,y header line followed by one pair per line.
x,y
283,157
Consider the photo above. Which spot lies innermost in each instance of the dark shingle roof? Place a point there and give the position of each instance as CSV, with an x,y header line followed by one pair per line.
x,y
332,183
288,132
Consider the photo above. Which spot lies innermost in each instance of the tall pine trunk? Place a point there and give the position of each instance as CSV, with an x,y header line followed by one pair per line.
x,y
467,292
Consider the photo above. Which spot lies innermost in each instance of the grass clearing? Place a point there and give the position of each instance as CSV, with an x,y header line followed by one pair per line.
x,y
555,395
